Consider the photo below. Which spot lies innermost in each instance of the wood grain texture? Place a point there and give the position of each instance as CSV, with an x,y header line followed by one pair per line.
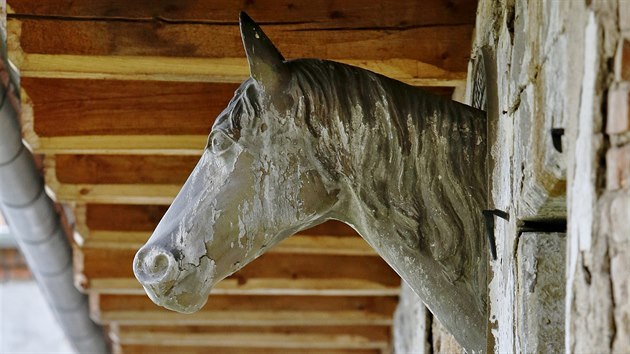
x,y
384,306
266,286
277,282
246,318
189,69
117,263
107,193
254,340
317,13
127,169
65,107
375,333
445,47
80,107
288,337
143,349
296,244
146,218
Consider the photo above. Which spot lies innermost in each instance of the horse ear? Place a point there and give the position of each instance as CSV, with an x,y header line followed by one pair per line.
x,y
266,64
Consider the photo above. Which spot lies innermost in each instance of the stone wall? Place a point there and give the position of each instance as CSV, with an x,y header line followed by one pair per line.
x,y
558,90
598,309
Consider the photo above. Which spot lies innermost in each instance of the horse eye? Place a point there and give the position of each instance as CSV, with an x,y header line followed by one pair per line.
x,y
219,142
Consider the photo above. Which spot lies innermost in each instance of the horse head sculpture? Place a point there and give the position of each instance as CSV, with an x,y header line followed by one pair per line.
x,y
308,140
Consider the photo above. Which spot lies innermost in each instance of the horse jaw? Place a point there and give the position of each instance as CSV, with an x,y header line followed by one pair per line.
x,y
178,266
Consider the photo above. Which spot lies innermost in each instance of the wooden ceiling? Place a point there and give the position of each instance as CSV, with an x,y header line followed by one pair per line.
x,y
119,97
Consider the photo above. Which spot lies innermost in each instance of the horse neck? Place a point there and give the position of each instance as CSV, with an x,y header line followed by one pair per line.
x,y
417,197
412,170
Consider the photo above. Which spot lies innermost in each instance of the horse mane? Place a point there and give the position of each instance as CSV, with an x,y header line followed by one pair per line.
x,y
406,152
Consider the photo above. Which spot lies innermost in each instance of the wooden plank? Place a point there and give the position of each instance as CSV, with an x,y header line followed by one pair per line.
x,y
296,244
248,311
87,107
373,333
128,169
288,337
146,218
118,144
82,107
129,117
263,286
227,70
254,318
316,13
106,263
159,193
253,340
181,52
144,349
444,46
135,223
100,270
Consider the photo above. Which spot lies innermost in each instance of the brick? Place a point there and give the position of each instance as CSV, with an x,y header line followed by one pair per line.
x,y
618,112
616,216
624,15
623,60
618,167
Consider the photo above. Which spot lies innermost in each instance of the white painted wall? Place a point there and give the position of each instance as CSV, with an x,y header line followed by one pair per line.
x,y
27,324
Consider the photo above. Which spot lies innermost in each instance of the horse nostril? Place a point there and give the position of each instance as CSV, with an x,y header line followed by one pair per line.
x,y
153,265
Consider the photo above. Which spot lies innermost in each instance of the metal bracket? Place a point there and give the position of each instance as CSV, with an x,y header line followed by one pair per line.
x,y
488,216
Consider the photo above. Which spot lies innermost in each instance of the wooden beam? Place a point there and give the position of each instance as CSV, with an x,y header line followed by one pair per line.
x,y
252,340
99,270
296,244
225,70
154,349
107,193
443,46
247,311
329,337
145,218
322,14
113,169
124,117
128,169
265,286
181,52
374,336
82,107
135,223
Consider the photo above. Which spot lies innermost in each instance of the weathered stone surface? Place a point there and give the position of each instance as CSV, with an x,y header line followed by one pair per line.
x,y
559,64
412,324
624,15
597,275
618,113
541,292
618,167
443,341
590,319
615,226
537,50
538,103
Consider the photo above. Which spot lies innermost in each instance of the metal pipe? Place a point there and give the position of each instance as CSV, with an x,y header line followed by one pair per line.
x,y
32,219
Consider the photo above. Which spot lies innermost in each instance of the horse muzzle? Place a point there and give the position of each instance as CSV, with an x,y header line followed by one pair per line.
x,y
173,284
